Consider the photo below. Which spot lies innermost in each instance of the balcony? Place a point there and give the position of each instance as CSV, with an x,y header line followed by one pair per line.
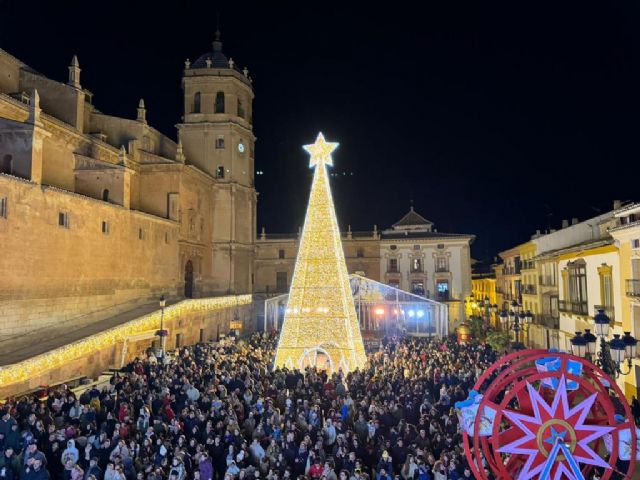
x,y
442,269
393,270
416,270
632,287
528,265
547,320
577,308
529,289
609,311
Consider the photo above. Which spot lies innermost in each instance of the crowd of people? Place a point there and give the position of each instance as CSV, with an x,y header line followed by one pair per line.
x,y
220,411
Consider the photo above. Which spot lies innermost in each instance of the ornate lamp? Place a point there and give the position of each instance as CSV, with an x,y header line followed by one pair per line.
x,y
617,348
579,345
602,323
591,341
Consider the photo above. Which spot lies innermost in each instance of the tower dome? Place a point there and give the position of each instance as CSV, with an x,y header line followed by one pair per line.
x,y
217,58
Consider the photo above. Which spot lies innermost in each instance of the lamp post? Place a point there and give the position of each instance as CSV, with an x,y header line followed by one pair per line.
x,y
162,332
612,354
516,320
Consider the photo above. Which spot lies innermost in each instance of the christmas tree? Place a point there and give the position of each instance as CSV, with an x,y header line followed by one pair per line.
x,y
320,324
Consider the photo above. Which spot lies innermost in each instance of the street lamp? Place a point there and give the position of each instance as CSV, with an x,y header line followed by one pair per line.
x,y
612,354
162,333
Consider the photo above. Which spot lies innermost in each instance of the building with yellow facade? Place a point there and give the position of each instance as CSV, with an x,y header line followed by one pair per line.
x,y
627,239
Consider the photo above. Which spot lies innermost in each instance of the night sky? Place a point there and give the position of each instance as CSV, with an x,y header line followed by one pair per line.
x,y
497,119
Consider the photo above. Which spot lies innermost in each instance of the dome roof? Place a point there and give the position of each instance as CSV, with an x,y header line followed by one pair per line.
x,y
218,59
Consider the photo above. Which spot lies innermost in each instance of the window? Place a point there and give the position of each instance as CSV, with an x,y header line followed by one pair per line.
x,y
606,285
440,246
240,109
105,227
281,253
220,142
442,289
220,171
360,252
196,103
635,243
577,286
442,264
3,207
416,265
140,234
6,166
393,247
63,219
219,102
105,195
166,237
393,264
416,247
417,288
281,281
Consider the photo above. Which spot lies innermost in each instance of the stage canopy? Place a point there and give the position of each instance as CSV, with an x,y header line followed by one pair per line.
x,y
380,309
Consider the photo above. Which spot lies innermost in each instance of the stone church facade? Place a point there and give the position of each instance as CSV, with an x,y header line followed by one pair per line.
x,y
100,214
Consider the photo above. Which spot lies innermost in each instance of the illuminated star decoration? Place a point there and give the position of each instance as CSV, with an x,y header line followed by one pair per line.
x,y
555,438
321,151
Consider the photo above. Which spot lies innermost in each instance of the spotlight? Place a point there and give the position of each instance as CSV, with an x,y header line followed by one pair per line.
x,y
411,313
420,313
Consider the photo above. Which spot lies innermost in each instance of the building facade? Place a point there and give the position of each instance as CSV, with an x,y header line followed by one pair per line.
x,y
99,213
627,239
410,255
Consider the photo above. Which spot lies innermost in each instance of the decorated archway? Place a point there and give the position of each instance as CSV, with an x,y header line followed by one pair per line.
x,y
316,357
537,414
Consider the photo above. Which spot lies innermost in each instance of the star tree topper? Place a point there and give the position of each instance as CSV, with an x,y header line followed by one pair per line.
x,y
321,151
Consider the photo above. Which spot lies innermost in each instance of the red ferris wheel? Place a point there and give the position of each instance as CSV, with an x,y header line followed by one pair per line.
x,y
541,415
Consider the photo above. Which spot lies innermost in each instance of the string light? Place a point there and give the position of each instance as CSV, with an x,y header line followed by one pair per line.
x,y
321,316
59,357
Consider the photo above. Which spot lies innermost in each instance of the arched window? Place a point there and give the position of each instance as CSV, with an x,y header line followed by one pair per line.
x,y
105,195
240,109
196,103
219,102
7,164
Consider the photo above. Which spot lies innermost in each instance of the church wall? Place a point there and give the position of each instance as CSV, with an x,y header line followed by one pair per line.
x,y
56,99
53,274
58,164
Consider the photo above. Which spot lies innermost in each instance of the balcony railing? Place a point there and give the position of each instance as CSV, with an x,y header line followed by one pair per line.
x,y
529,289
393,270
442,269
632,288
609,311
417,270
528,265
579,308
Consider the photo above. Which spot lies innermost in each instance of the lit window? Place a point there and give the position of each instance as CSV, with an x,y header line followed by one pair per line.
x,y
416,265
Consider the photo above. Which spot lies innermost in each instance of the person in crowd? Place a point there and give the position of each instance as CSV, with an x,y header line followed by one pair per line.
x,y
220,411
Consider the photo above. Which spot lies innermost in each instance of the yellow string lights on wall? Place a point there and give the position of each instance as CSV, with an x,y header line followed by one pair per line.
x,y
320,318
23,371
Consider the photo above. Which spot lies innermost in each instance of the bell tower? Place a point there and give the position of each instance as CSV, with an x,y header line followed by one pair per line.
x,y
217,138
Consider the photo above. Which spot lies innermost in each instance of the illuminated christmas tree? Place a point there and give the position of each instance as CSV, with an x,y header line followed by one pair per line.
x,y
320,325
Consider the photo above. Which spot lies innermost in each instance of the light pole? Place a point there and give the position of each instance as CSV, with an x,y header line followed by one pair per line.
x,y
162,332
612,354
516,320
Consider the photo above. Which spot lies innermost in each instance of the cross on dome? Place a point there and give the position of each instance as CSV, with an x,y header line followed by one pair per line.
x,y
320,151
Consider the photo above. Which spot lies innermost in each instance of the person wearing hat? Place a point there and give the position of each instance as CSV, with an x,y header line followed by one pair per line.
x,y
385,463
